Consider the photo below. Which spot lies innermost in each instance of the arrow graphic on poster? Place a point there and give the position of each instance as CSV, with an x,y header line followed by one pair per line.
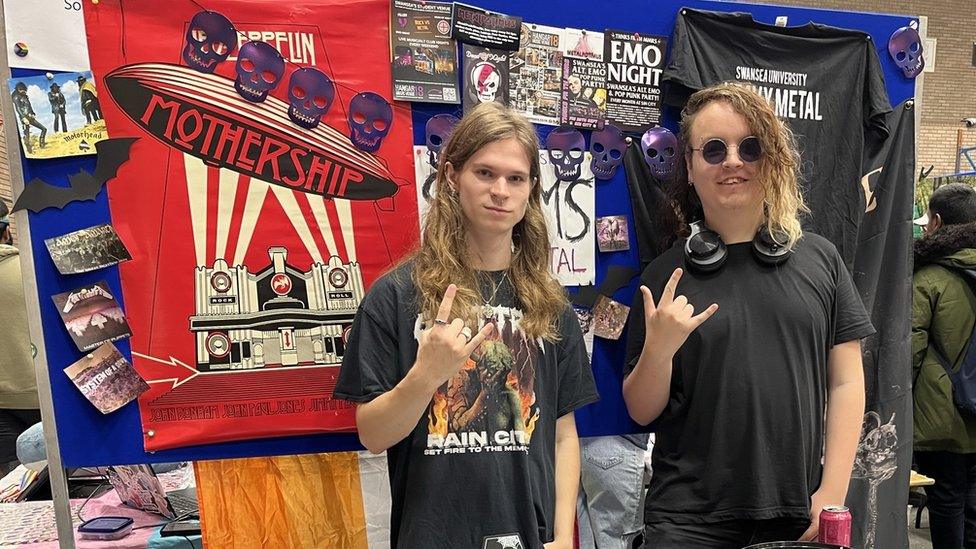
x,y
182,373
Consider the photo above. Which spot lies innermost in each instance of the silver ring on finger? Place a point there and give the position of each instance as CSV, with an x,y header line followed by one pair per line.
x,y
466,333
440,321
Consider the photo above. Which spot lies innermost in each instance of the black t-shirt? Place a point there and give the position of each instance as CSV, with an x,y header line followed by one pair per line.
x,y
479,468
742,434
824,81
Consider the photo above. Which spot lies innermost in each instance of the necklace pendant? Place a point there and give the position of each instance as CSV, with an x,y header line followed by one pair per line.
x,y
487,311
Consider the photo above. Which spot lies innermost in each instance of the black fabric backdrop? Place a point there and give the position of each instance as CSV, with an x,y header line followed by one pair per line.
x,y
647,200
883,275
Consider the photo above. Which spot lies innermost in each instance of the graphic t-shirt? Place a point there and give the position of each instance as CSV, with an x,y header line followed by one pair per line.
x,y
742,434
478,470
825,82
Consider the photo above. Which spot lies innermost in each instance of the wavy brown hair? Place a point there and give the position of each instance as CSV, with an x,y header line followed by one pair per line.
x,y
443,257
779,167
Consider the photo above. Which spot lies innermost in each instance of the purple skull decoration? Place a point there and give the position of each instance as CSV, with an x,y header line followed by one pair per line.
x,y
607,148
566,146
905,47
259,70
438,129
210,38
310,94
370,118
660,148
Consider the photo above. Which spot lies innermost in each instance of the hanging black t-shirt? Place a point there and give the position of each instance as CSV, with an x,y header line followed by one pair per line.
x,y
824,81
478,470
742,434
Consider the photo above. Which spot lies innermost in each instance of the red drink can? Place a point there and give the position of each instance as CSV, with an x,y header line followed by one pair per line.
x,y
835,525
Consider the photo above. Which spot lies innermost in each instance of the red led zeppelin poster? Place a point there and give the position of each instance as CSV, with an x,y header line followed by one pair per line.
x,y
262,196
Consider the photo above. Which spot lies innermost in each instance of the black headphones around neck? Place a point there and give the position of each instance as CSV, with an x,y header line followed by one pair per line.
x,y
706,253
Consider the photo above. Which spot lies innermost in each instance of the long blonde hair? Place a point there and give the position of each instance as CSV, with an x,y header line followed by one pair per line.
x,y
780,164
443,257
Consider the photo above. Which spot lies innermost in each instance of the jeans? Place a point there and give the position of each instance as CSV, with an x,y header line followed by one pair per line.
x,y
12,424
610,508
952,499
731,534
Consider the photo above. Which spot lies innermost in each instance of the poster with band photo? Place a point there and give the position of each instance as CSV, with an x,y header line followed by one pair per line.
x,y
87,250
424,54
92,315
612,234
584,93
583,44
57,114
106,378
609,318
535,73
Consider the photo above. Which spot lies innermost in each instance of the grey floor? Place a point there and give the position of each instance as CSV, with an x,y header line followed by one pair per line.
x,y
918,538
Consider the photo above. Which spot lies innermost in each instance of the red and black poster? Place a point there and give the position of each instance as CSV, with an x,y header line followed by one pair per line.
x,y
260,200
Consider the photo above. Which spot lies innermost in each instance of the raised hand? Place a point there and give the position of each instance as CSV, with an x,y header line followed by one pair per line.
x,y
669,322
445,346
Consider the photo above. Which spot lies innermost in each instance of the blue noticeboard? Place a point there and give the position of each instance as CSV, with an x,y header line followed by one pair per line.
x,y
88,438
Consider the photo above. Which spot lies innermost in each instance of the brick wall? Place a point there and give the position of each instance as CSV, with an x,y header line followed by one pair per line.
x,y
949,93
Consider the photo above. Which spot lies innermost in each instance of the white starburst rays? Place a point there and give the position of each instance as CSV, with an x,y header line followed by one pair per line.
x,y
257,190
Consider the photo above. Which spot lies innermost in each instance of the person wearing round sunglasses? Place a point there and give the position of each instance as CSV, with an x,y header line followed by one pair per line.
x,y
744,346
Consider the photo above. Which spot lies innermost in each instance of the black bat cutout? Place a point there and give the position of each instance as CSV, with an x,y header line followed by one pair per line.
x,y
617,277
39,194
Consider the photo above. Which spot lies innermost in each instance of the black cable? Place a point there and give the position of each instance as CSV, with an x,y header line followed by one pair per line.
x,y
164,523
167,521
90,496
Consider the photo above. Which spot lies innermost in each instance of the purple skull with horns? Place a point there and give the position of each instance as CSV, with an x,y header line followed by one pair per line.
x,y
607,148
310,94
566,146
370,118
905,47
210,38
660,148
259,70
438,129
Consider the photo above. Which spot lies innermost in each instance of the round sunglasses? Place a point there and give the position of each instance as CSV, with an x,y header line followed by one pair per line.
x,y
715,150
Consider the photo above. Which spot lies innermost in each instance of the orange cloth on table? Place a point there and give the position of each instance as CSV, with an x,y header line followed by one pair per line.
x,y
303,501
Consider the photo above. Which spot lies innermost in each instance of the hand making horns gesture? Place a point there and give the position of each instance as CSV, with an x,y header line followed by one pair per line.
x,y
447,345
668,324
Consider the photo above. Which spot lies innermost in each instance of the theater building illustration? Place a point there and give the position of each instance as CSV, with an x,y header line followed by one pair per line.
x,y
279,316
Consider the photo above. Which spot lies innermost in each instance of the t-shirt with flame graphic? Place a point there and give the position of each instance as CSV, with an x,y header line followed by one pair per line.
x,y
481,461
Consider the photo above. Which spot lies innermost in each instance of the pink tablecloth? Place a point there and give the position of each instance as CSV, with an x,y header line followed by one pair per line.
x,y
107,504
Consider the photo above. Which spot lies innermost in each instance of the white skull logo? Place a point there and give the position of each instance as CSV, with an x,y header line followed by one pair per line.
x,y
485,79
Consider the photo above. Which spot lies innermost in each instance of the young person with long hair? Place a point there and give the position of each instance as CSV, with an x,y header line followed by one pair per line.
x,y
744,343
467,361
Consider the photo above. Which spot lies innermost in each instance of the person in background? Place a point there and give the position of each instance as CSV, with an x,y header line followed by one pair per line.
x,y
467,361
19,408
943,316
610,510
